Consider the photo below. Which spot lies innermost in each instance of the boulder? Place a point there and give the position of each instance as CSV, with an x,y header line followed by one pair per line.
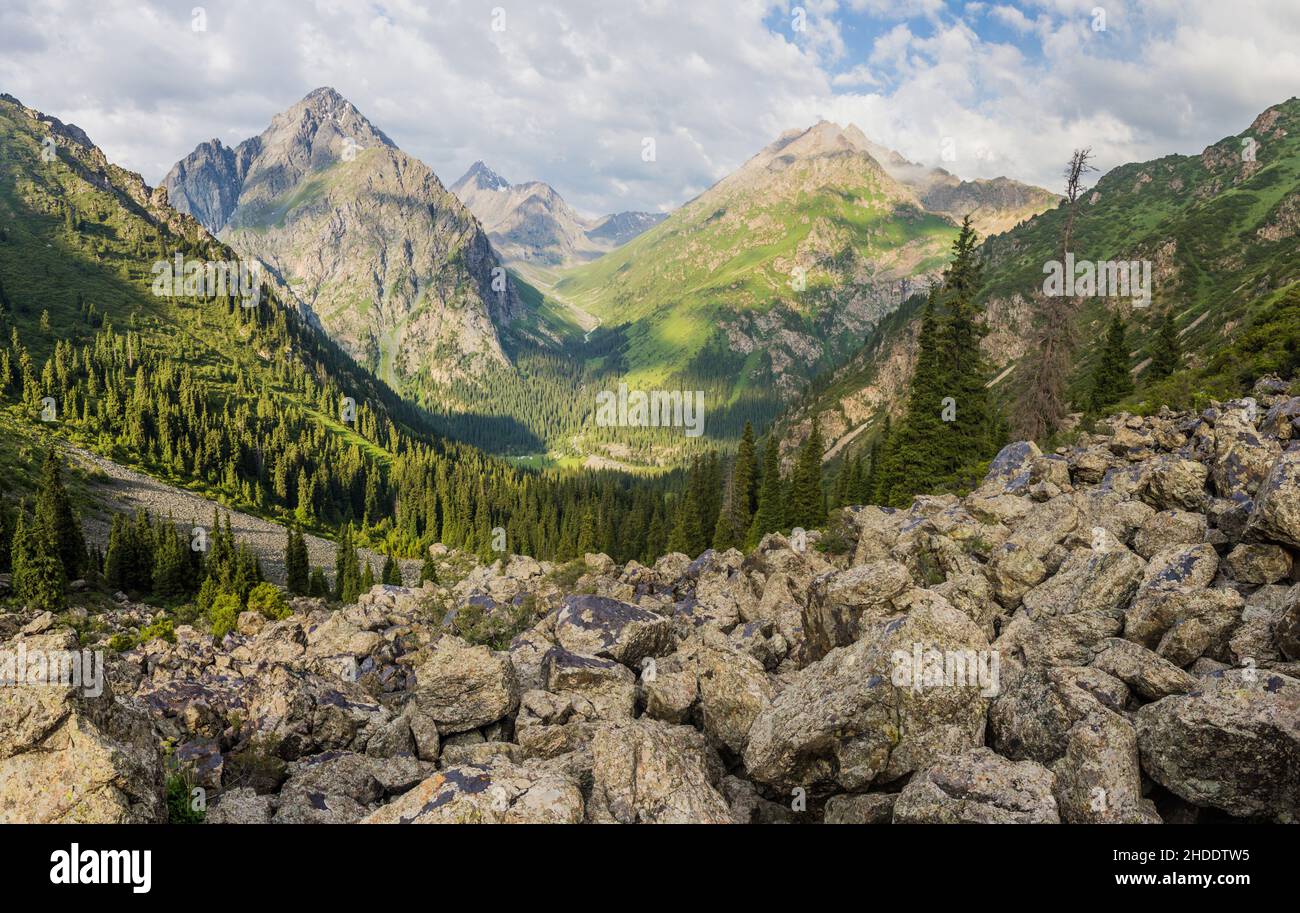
x,y
1276,516
1099,779
464,687
1167,529
1258,564
1232,744
500,793
979,787
73,753
860,715
1032,717
841,603
1176,483
869,808
732,687
608,687
650,772
1288,625
597,626
240,806
1099,580
1145,672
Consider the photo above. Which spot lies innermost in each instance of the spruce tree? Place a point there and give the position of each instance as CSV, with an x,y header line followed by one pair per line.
x,y
1111,380
770,516
21,553
390,574
808,505
913,457
686,536
7,520
428,570
171,576
296,563
367,578
746,476
54,512
318,587
42,586
1166,351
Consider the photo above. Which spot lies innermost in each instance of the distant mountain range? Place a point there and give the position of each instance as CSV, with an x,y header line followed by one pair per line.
x,y
531,223
775,274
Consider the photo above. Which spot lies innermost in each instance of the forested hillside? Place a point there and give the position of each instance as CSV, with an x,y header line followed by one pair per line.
x,y
1219,230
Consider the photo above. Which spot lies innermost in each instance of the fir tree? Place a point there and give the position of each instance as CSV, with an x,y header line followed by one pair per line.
x,y
770,516
390,574
6,538
1166,351
171,573
686,536
428,570
296,563
367,578
808,505
54,512
318,587
42,584
1111,380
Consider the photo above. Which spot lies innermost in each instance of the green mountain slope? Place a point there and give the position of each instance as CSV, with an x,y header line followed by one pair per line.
x,y
244,404
1220,230
798,253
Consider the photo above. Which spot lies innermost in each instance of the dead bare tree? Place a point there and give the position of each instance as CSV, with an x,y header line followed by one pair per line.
x,y
1080,164
1041,404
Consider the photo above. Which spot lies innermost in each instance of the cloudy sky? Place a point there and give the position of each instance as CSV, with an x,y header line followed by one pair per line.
x,y
567,90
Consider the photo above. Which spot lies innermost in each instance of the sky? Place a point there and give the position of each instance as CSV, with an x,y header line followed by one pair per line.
x,y
569,91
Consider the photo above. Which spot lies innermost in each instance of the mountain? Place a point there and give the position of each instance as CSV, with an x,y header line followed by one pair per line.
x,y
237,399
776,273
1219,230
531,224
395,268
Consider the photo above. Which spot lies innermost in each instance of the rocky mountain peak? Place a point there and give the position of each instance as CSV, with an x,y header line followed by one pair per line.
x,y
482,177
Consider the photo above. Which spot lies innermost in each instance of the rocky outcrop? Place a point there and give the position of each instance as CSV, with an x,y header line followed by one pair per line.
x,y
71,752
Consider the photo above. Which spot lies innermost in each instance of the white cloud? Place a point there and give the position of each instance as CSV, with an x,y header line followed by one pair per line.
x,y
569,89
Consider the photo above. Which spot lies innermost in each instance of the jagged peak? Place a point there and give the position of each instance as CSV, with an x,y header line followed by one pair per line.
x,y
482,176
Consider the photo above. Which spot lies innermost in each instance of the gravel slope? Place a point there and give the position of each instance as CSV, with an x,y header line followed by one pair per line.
x,y
125,490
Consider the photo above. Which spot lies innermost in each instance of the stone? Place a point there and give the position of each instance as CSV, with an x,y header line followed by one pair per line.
x,y
1145,672
650,772
597,626
869,808
464,687
1098,779
979,787
1233,744
1276,516
842,723
500,793
71,754
1258,564
840,603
